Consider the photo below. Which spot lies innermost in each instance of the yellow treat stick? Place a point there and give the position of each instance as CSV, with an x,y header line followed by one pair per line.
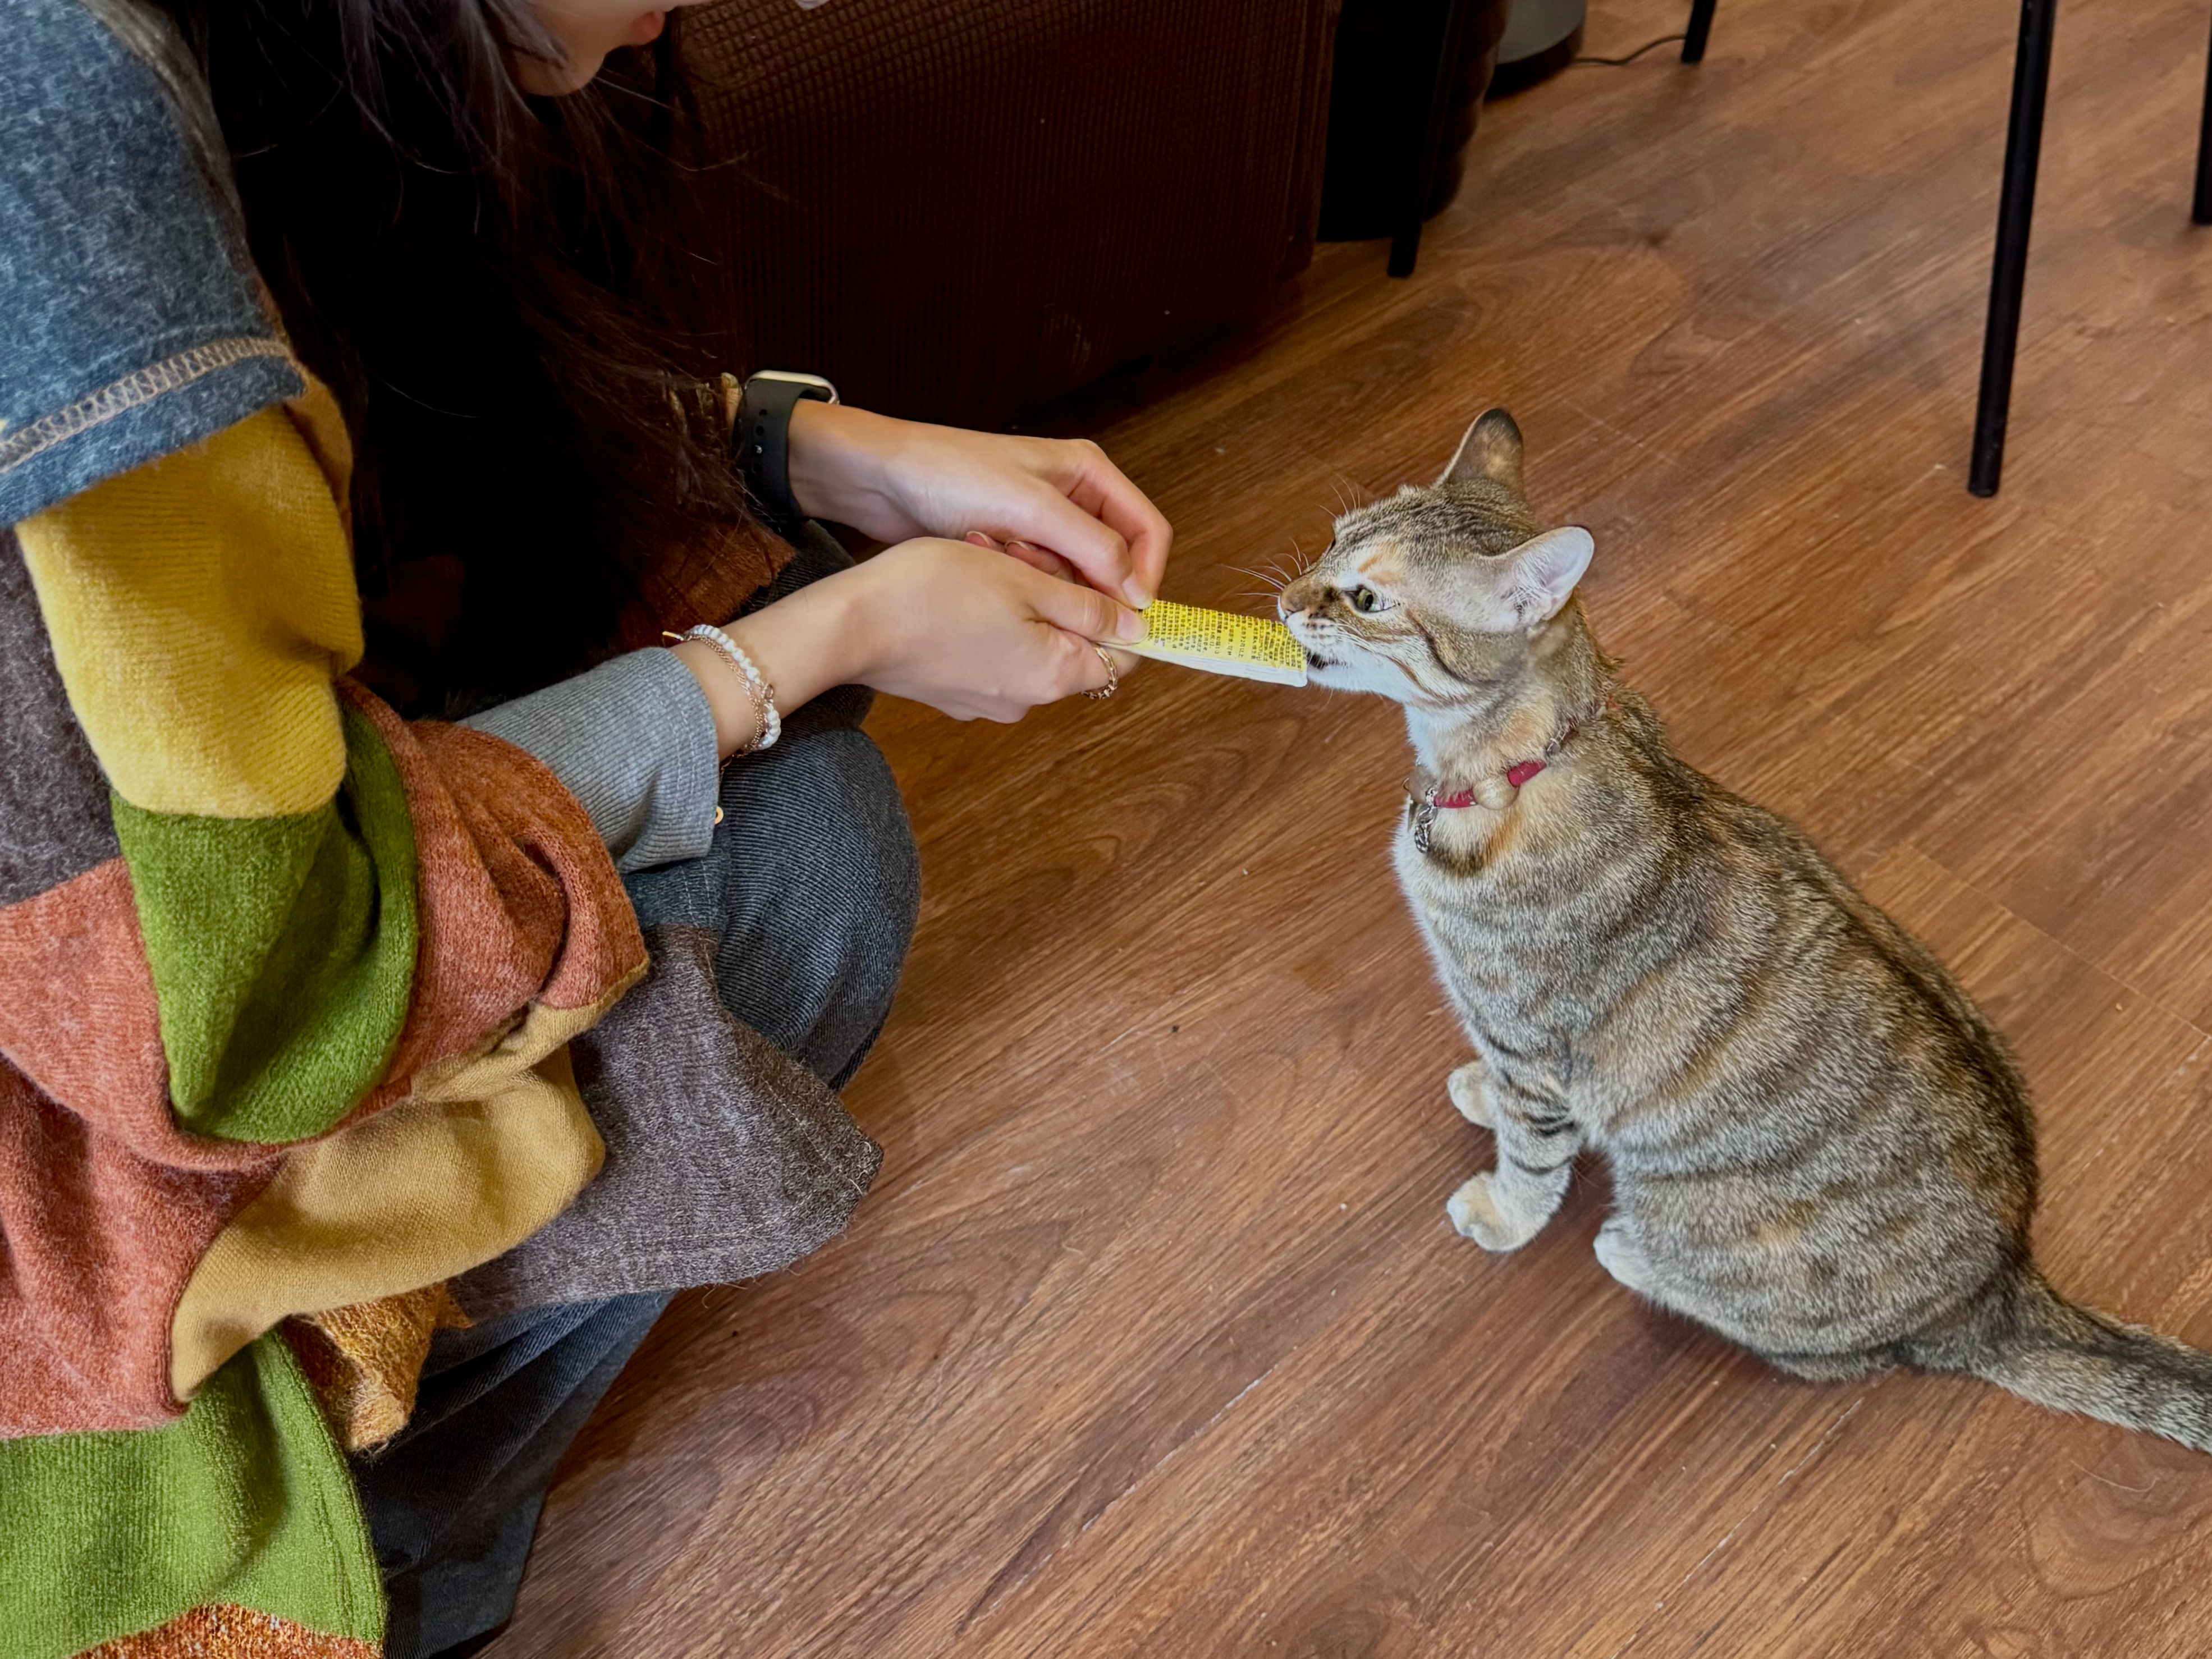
x,y
1221,642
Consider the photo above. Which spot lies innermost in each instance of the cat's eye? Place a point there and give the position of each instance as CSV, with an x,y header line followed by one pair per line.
x,y
1367,601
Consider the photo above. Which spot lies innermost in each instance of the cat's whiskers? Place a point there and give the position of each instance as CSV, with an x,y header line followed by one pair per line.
x,y
1348,492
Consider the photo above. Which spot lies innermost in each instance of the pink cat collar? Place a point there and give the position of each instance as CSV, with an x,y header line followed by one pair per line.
x,y
1515,774
1425,815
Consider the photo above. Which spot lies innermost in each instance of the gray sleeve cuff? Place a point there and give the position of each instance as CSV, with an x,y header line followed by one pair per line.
x,y
633,741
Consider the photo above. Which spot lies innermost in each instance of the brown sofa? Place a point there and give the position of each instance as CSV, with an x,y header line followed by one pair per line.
x,y
959,211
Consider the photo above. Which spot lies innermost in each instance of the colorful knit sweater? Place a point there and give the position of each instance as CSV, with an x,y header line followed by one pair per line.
x,y
287,984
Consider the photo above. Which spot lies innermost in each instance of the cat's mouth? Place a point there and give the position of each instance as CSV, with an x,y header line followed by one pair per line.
x,y
1314,659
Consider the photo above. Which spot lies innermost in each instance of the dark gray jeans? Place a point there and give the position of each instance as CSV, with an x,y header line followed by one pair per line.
x,y
813,885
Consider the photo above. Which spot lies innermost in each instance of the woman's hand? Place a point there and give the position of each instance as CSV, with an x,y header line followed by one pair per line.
x,y
1058,505
974,633
963,629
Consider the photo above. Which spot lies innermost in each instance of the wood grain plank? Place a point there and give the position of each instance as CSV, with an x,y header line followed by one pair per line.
x,y
1945,1517
1153,1339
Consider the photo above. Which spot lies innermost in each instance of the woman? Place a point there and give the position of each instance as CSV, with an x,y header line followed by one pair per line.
x,y
369,1085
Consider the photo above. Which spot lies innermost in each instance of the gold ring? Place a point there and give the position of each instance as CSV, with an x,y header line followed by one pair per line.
x,y
1099,694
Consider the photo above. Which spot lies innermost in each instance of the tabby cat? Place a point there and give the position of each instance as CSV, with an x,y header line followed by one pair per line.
x,y
1819,1147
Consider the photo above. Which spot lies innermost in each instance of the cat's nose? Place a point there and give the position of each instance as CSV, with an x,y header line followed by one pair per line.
x,y
1285,609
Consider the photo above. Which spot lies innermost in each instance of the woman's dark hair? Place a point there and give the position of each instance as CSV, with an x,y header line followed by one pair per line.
x,y
488,282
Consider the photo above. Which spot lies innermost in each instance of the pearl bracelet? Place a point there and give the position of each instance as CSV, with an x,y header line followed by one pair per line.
x,y
763,694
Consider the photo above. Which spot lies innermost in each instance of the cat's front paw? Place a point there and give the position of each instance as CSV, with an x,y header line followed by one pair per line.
x,y
1469,1089
1476,1213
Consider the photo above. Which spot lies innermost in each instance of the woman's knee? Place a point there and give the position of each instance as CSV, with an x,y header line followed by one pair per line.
x,y
821,890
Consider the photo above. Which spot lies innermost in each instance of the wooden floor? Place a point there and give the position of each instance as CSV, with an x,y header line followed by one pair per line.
x,y
1153,1338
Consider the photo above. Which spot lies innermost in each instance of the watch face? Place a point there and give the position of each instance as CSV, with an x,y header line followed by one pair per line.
x,y
812,382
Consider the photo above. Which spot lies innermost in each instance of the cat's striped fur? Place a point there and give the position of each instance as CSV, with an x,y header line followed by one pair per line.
x,y
1819,1147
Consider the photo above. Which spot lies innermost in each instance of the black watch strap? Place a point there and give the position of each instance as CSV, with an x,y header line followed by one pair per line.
x,y
760,440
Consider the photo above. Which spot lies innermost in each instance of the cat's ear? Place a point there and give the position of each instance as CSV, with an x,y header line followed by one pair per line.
x,y
1545,569
1491,450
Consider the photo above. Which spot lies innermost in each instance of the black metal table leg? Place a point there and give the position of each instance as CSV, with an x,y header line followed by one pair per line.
x,y
2201,210
2030,80
1701,25
1421,174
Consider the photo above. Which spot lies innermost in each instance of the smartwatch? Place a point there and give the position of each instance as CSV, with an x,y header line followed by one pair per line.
x,y
759,439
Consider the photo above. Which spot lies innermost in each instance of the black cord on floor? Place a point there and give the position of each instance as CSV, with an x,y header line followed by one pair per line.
x,y
1617,63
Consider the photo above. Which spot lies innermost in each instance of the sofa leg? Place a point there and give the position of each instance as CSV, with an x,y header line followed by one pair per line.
x,y
1701,25
2200,210
2031,80
1450,31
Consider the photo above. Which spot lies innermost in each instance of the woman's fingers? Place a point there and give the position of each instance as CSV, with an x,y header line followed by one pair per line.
x,y
1085,613
1124,665
1037,558
973,632
1087,511
1102,488
1049,520
1091,672
1075,512
1082,667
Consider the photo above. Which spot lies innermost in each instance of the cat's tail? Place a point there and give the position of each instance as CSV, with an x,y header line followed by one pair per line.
x,y
2028,1338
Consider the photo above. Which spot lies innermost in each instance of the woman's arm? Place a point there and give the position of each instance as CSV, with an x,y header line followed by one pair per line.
x,y
967,631
634,740
962,629
971,632
1066,507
